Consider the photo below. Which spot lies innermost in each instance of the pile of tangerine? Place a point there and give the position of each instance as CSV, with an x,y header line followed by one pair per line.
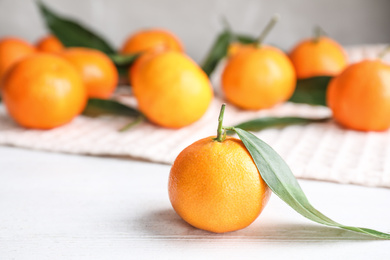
x,y
47,85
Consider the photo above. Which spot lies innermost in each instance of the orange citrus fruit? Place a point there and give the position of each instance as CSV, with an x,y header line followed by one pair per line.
x,y
11,51
99,73
50,43
134,68
43,91
171,90
360,96
235,47
151,40
258,77
318,57
216,186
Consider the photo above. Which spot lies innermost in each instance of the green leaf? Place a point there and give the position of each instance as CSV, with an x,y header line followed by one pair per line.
x,y
311,91
140,119
245,39
218,51
96,107
267,122
71,33
279,178
122,70
123,59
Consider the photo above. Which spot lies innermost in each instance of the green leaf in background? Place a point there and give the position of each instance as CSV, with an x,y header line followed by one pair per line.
x,y
279,178
311,91
71,33
218,51
123,59
138,120
122,62
245,39
123,72
96,107
267,122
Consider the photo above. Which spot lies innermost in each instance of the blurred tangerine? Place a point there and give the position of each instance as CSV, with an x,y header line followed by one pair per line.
x,y
360,96
171,89
43,91
320,56
13,50
151,40
99,73
50,43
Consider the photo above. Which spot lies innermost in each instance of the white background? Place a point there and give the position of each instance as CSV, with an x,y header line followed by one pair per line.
x,y
58,206
197,22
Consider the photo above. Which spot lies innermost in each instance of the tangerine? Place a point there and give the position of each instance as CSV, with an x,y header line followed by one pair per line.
x,y
258,77
151,40
134,68
360,96
171,90
43,91
99,73
235,47
215,186
50,43
11,51
319,56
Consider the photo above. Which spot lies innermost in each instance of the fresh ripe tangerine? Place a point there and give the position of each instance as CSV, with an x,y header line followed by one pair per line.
x,y
360,96
50,43
151,40
171,90
99,73
216,186
258,77
235,47
134,68
318,57
43,91
13,50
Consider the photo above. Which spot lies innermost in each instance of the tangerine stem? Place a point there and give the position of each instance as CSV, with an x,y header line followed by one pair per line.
x,y
267,29
382,54
229,128
318,33
220,135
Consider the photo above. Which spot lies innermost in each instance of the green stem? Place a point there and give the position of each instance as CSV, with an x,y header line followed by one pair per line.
x,y
267,29
133,123
382,54
220,134
318,33
228,128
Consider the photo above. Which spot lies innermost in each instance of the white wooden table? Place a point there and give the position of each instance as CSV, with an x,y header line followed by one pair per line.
x,y
57,206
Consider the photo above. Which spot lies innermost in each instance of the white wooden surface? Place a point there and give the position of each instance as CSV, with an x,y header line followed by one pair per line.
x,y
56,206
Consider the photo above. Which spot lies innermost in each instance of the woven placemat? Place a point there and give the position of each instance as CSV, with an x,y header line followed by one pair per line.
x,y
322,151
